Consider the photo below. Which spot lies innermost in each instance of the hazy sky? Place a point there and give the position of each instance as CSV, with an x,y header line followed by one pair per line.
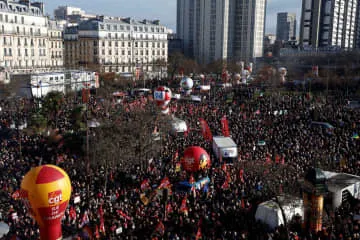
x,y
164,10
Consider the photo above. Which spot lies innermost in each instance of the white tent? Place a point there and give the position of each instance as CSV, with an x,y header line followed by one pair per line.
x,y
269,212
178,125
4,229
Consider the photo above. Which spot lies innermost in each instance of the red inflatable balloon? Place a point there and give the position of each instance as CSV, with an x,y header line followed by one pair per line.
x,y
195,159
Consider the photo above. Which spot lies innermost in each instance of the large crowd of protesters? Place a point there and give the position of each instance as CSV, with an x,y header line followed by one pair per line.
x,y
136,204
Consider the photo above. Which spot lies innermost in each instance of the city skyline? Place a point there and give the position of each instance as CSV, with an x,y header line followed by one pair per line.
x,y
164,10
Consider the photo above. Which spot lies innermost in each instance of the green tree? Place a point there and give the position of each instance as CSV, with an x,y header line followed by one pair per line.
x,y
52,104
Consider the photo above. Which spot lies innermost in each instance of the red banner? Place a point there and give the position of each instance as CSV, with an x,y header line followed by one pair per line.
x,y
85,95
205,130
225,126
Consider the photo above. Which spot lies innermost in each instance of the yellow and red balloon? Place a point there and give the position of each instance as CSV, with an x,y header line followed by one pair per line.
x,y
46,192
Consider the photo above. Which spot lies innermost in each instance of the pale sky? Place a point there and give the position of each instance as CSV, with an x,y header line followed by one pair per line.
x,y
164,10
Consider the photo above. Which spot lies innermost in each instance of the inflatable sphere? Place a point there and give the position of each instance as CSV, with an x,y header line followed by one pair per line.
x,y
162,97
46,192
282,71
202,76
186,83
195,159
237,77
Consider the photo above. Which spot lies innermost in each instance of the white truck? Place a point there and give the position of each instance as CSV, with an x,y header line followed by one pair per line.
x,y
225,149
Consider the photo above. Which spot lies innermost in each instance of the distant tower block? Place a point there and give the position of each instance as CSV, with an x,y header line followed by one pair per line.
x,y
314,189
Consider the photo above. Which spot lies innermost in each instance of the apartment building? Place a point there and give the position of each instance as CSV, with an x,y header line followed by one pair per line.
x,y
286,27
114,44
330,23
26,36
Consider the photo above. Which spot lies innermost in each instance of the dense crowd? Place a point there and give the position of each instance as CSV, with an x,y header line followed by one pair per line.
x,y
132,205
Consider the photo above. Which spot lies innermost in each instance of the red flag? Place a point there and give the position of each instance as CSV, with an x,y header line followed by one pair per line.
x,y
165,183
16,195
206,132
111,176
277,158
85,93
72,213
225,126
160,228
102,225
121,213
241,175
101,211
145,185
224,168
198,234
183,207
242,203
268,159
225,184
85,219
97,234
192,179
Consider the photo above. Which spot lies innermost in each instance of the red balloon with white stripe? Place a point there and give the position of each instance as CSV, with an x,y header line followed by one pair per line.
x,y
162,97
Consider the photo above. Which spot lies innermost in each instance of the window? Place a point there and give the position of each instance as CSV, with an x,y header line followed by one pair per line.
x,y
129,44
15,19
17,30
10,52
5,52
22,20
123,44
6,18
26,52
19,52
1,17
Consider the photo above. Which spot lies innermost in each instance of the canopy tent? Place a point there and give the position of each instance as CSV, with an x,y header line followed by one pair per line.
x,y
269,212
